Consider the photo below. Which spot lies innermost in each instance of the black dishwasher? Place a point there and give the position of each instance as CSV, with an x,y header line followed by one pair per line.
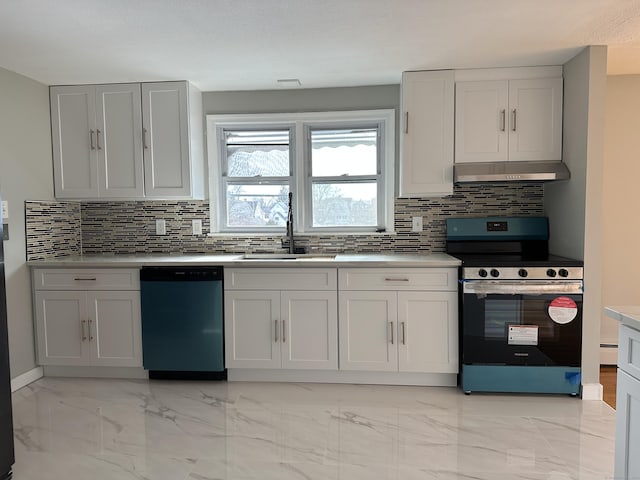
x,y
182,322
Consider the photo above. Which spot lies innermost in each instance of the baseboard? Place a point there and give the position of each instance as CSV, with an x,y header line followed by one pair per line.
x,y
609,355
26,378
95,372
592,391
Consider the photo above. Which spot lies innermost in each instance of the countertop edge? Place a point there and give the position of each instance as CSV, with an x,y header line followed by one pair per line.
x,y
627,315
236,260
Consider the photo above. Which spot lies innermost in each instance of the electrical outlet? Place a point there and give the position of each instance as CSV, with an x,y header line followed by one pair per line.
x,y
416,224
5,210
196,227
161,227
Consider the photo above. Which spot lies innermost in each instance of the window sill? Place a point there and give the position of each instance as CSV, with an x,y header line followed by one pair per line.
x,y
301,235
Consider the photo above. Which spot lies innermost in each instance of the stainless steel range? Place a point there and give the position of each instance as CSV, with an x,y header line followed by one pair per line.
x,y
520,308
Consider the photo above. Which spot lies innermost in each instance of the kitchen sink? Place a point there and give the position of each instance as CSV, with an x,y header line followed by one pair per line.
x,y
288,256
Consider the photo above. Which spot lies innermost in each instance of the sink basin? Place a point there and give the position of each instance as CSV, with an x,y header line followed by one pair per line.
x,y
287,256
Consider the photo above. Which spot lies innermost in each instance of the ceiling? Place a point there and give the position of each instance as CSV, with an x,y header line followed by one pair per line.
x,y
250,44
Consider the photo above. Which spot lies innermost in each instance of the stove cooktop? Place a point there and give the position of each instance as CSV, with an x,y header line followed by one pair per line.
x,y
515,260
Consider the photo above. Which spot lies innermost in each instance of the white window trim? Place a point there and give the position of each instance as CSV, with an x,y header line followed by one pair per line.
x,y
298,188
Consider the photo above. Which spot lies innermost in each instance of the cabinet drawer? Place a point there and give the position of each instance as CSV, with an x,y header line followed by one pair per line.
x,y
398,279
86,279
629,351
280,279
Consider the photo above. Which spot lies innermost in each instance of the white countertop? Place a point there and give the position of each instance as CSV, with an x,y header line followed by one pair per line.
x,y
237,260
627,315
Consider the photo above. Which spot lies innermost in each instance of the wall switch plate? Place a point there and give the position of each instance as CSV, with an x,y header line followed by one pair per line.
x,y
161,227
416,224
5,209
196,227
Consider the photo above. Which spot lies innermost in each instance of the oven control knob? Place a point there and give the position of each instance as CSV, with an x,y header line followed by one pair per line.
x,y
495,273
523,273
482,272
563,272
551,273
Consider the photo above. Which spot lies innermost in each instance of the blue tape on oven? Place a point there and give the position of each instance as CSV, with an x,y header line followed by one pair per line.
x,y
573,378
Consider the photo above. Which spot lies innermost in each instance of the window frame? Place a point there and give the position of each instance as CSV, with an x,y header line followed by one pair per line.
x,y
300,165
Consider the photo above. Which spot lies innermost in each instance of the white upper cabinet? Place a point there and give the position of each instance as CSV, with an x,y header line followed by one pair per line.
x,y
508,120
127,141
426,148
172,139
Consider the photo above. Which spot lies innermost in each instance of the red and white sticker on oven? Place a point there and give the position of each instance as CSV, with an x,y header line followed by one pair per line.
x,y
563,310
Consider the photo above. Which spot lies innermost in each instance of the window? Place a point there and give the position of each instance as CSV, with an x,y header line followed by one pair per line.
x,y
337,165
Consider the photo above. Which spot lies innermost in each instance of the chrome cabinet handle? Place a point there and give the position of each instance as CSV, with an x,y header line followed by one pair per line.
x,y
84,335
144,139
391,329
98,139
503,120
284,332
91,132
90,336
92,279
513,125
404,333
406,122
276,330
389,279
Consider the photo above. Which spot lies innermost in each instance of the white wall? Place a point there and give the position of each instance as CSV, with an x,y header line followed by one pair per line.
x,y
575,207
25,173
620,225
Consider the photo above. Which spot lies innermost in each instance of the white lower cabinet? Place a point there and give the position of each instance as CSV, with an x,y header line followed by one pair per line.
x,y
401,329
627,460
78,326
289,329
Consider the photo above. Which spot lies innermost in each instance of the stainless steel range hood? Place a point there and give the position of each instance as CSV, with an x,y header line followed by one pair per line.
x,y
510,172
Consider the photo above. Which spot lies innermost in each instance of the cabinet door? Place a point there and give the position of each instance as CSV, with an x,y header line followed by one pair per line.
x,y
114,328
118,140
61,328
367,331
535,119
426,166
627,463
309,330
482,121
166,140
75,161
428,332
252,329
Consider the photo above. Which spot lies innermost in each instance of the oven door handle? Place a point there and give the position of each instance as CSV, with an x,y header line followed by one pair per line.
x,y
528,287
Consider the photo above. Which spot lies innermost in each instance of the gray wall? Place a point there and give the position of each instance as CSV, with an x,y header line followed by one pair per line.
x,y
25,173
574,207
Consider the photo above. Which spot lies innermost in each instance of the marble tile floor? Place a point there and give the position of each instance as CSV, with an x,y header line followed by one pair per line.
x,y
170,430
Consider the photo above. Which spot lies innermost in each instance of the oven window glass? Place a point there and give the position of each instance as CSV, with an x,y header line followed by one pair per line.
x,y
499,314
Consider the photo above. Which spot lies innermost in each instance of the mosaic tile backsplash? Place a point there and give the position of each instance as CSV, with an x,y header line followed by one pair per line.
x,y
53,229
124,227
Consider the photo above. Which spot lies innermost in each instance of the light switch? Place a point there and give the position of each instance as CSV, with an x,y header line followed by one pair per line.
x,y
196,227
5,209
416,224
161,227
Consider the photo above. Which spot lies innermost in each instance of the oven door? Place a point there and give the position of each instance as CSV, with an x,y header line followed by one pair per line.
x,y
521,322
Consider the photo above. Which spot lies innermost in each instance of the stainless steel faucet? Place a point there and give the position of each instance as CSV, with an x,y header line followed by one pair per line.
x,y
292,248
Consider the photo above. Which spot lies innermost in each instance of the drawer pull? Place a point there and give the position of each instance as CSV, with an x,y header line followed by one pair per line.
x,y
391,329
92,279
284,330
276,330
404,334
396,279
